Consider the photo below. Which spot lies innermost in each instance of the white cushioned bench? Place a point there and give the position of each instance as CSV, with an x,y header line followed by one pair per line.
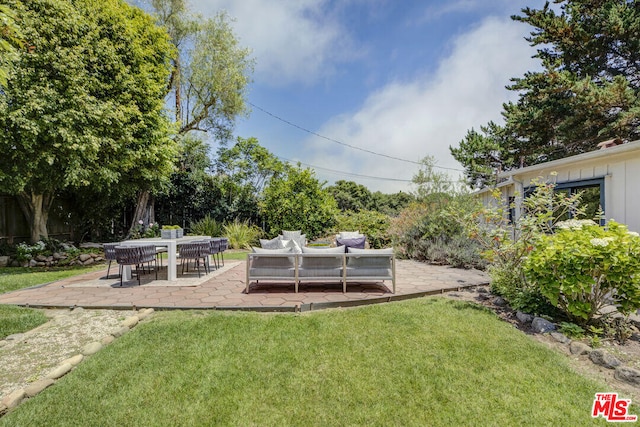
x,y
321,265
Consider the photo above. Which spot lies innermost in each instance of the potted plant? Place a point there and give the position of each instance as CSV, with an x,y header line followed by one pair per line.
x,y
171,232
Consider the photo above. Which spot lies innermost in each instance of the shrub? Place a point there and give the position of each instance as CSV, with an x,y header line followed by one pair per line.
x,y
373,224
583,267
506,245
207,226
433,232
241,234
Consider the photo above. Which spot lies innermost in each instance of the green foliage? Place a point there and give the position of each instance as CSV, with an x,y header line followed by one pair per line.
x,y
210,69
433,232
583,267
207,226
84,103
10,40
374,225
350,196
241,234
571,330
586,92
507,245
298,201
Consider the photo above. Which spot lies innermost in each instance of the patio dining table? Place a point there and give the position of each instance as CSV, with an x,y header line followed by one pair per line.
x,y
172,252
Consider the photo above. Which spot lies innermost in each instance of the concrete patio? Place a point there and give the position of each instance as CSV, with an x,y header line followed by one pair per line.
x,y
225,290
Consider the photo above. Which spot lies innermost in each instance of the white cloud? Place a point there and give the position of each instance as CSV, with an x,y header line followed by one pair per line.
x,y
428,114
292,40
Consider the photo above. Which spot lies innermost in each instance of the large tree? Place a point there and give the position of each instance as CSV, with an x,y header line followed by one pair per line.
x,y
588,89
10,40
209,79
83,107
297,200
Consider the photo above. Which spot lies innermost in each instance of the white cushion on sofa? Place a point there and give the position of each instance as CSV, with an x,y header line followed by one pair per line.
x,y
369,262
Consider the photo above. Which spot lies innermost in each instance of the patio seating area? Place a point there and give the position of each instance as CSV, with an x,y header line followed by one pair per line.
x,y
225,289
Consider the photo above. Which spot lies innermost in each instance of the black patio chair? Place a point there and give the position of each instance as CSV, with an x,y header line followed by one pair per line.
x,y
110,255
196,251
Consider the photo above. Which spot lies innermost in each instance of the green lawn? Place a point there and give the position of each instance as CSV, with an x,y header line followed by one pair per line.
x,y
423,362
13,278
15,320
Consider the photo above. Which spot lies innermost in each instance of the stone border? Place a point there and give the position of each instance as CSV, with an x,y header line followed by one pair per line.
x,y
12,400
598,356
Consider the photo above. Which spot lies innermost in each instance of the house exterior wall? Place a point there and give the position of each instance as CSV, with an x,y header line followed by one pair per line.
x,y
618,166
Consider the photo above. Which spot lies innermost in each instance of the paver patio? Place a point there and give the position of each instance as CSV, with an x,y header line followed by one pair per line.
x,y
225,289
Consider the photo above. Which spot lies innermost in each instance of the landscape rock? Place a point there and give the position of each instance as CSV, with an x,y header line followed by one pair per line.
x,y
500,302
3,408
120,332
524,317
91,348
13,399
130,322
58,256
32,263
602,358
14,337
542,326
579,348
84,257
107,340
41,258
628,375
37,387
74,361
89,261
561,338
59,371
4,261
90,245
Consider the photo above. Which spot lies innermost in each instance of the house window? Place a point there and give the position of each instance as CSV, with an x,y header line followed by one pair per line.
x,y
592,196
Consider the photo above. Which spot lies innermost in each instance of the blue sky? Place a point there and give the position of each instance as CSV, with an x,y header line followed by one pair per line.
x,y
402,78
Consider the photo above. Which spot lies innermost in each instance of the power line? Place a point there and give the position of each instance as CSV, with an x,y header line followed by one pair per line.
x,y
346,173
344,143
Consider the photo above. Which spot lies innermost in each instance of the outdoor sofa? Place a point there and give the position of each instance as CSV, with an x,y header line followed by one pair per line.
x,y
321,265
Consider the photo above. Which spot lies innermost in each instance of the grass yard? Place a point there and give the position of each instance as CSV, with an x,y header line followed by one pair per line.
x,y
420,362
14,319
14,278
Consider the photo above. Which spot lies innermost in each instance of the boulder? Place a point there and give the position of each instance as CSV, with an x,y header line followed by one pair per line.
x,y
579,348
13,399
59,371
120,332
36,387
500,302
628,375
41,258
32,263
130,322
84,257
542,326
58,256
561,338
4,261
524,317
74,361
602,358
89,261
91,348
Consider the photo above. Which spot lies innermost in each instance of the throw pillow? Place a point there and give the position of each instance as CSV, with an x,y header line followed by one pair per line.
x,y
272,262
270,244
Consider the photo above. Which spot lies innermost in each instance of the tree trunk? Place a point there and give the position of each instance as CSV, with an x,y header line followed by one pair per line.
x,y
144,210
35,208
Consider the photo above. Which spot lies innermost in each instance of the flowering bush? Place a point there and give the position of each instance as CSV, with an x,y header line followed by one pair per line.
x,y
584,266
506,245
25,252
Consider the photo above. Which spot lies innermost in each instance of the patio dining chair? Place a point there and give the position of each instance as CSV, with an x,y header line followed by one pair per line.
x,y
224,245
110,254
196,251
129,255
216,244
